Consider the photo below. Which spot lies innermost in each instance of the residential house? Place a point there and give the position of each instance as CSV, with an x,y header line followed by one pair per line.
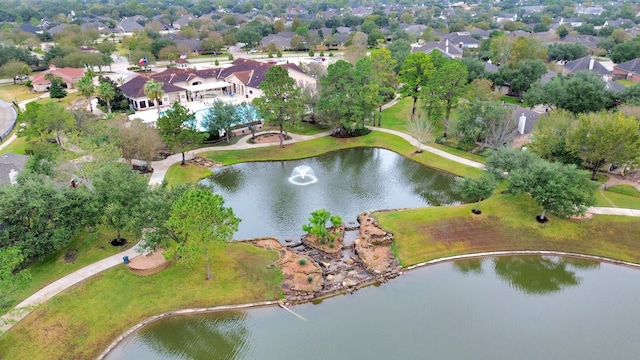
x,y
241,79
282,40
525,119
129,24
589,41
574,22
462,39
69,77
503,18
183,21
450,50
28,28
629,70
589,10
533,9
590,64
619,23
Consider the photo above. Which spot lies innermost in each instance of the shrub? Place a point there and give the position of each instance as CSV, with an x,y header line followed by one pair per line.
x,y
330,54
318,225
279,54
309,279
311,53
321,53
270,54
230,57
302,262
217,62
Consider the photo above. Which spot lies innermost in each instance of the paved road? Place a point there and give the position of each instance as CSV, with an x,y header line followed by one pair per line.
x,y
8,116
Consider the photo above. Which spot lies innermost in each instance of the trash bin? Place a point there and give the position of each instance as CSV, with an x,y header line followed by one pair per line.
x,y
125,259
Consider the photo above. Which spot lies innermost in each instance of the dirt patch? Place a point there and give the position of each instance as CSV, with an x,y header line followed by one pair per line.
x,y
149,264
71,256
204,162
267,138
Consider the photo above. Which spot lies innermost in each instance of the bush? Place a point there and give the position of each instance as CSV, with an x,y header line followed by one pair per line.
x,y
279,54
270,54
330,54
321,53
230,57
309,279
302,262
628,190
311,53
217,62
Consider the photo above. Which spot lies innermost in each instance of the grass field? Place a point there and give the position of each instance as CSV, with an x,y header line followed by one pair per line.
x,y
507,223
81,322
190,173
17,92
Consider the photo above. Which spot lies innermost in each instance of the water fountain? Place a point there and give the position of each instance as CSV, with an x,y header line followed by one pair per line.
x,y
303,175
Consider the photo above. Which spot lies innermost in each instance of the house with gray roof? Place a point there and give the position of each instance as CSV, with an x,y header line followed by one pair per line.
x,y
629,70
589,10
525,119
462,39
183,21
589,41
444,46
590,64
619,23
282,40
129,24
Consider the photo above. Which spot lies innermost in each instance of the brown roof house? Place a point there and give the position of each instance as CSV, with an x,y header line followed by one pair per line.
x,y
629,70
242,79
69,77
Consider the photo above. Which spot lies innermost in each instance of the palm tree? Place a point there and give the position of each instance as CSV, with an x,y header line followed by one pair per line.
x,y
154,91
86,88
107,93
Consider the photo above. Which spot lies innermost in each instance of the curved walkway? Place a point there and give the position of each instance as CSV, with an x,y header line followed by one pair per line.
x,y
160,170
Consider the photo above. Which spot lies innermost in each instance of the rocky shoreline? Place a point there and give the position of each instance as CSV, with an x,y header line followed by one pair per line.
x,y
313,272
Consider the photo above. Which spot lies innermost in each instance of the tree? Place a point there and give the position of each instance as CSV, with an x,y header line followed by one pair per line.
x,y
626,51
562,31
400,49
550,137
446,84
282,99
487,122
561,189
153,90
421,129
11,277
178,128
107,93
414,74
119,191
15,69
605,137
566,52
581,92
56,90
199,219
39,217
383,65
477,189
45,121
221,116
87,89
119,101
505,160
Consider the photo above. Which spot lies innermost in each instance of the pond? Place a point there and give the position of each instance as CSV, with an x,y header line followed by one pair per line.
x,y
513,307
272,201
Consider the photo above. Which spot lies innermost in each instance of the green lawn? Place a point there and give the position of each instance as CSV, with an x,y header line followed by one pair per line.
x,y
190,173
17,146
91,246
612,199
81,322
18,92
625,82
507,223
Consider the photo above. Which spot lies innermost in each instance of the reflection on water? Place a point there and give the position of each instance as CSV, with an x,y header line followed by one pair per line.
x,y
349,182
461,310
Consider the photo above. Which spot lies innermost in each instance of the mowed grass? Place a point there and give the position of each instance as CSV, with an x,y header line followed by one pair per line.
x,y
82,321
17,92
507,223
17,146
612,199
306,149
189,173
90,246
395,118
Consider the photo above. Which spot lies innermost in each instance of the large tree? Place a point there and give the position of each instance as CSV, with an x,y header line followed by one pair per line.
x,y
200,219
486,122
45,121
447,84
107,92
119,191
414,74
561,189
477,189
282,99
39,217
178,128
605,137
220,118
56,89
550,136
581,92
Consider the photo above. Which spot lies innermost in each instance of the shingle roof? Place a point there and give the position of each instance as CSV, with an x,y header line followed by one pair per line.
x,y
583,64
630,66
8,162
134,88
